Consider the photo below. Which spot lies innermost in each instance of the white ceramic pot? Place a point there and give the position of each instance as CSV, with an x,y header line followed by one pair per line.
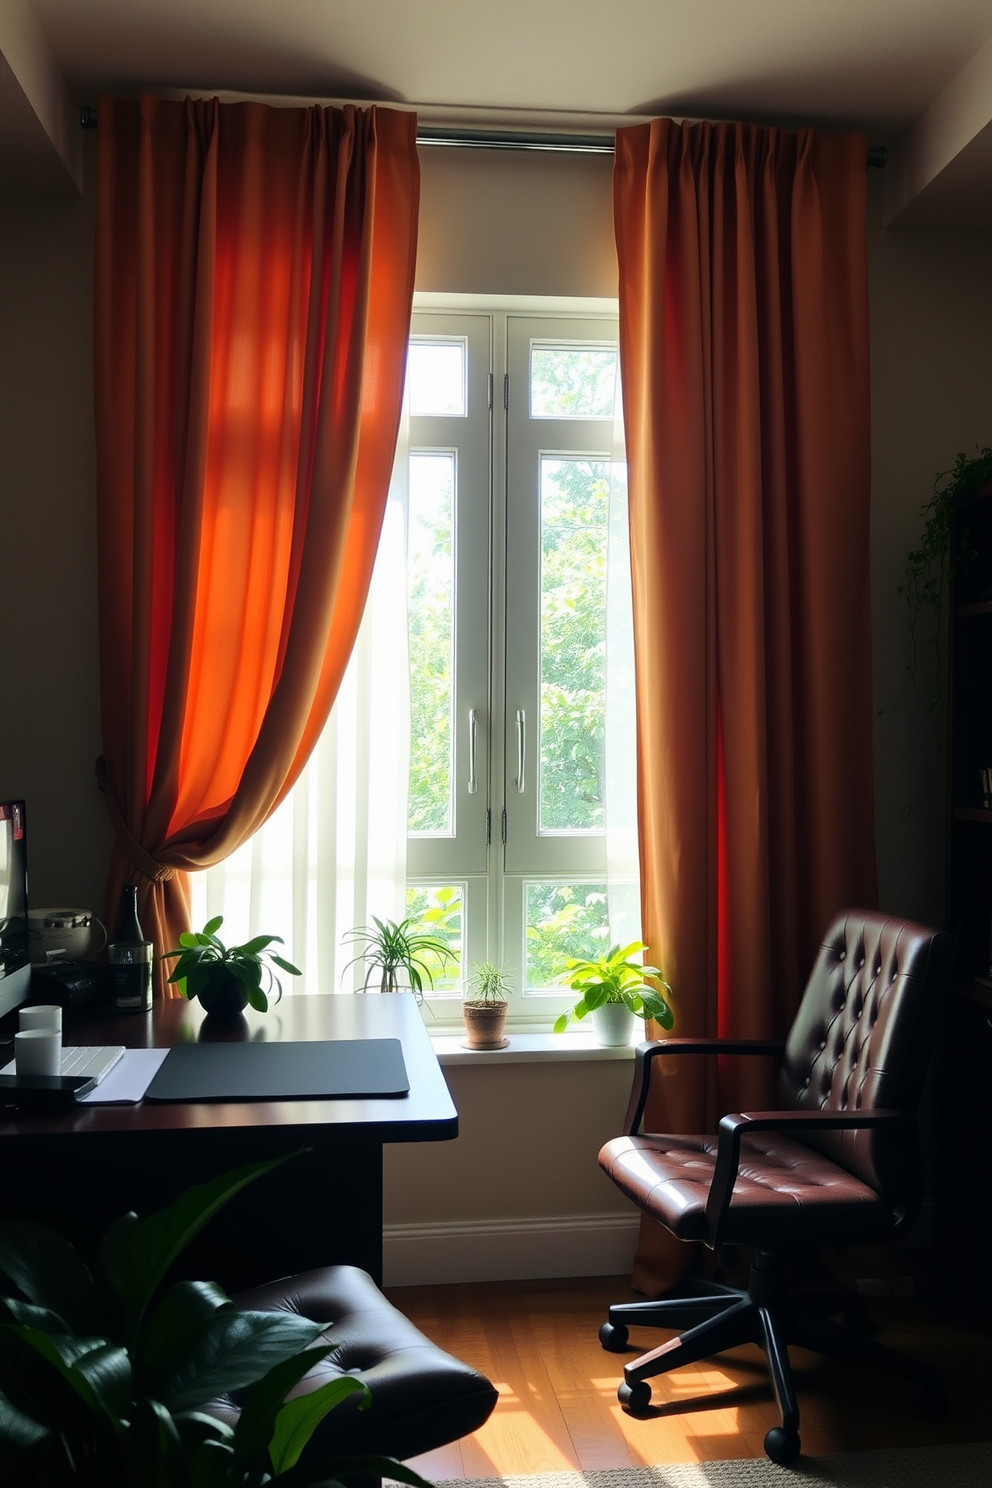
x,y
614,1024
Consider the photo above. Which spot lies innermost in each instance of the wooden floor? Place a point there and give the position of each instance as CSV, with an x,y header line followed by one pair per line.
x,y
558,1411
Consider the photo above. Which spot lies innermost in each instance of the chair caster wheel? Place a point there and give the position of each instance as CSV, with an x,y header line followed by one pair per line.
x,y
782,1446
635,1399
613,1337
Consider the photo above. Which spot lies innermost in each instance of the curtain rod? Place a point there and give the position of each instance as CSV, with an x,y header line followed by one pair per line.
x,y
497,139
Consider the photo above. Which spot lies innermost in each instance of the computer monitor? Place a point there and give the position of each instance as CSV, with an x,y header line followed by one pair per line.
x,y
15,956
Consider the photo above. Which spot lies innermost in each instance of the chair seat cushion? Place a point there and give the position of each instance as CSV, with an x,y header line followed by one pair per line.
x,y
421,1396
785,1192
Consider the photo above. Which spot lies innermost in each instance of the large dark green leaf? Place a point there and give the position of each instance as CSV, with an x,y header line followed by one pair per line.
x,y
172,1330
17,1433
97,1373
234,1350
137,1256
46,1268
152,1453
299,1418
256,1423
30,1316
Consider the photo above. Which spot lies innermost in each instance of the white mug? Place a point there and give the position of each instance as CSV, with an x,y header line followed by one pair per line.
x,y
38,1051
45,1015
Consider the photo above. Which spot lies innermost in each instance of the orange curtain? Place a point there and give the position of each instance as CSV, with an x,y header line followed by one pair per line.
x,y
254,280
744,355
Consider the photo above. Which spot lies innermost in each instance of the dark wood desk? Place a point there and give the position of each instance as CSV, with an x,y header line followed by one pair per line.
x,y
80,1170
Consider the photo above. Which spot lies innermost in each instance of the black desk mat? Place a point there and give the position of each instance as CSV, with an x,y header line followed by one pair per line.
x,y
286,1071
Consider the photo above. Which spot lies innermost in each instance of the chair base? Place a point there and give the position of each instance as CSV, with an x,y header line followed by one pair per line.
x,y
717,1317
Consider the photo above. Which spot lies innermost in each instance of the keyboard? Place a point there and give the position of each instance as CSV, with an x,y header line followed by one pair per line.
x,y
91,1061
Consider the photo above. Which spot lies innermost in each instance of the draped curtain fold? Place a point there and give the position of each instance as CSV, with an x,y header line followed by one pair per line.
x,y
253,286
744,356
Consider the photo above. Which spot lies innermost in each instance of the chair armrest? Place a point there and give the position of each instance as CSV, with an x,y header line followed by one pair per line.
x,y
652,1048
733,1127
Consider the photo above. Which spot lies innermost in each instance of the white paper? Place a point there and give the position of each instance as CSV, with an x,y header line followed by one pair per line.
x,y
127,1082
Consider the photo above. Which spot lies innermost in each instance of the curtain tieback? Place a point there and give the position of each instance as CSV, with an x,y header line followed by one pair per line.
x,y
132,849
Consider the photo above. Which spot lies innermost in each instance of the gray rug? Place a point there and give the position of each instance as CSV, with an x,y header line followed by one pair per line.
x,y
959,1466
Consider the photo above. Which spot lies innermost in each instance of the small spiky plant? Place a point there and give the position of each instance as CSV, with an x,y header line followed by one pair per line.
x,y
487,984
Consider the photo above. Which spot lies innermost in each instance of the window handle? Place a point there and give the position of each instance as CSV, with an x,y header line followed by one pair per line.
x,y
473,739
521,749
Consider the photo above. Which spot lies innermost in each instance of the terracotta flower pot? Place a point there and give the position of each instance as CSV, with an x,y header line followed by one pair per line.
x,y
484,1023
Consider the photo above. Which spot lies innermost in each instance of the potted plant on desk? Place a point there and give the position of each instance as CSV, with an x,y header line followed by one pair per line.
x,y
227,978
615,993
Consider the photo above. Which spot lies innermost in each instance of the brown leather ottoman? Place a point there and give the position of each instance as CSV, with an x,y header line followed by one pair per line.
x,y
421,1397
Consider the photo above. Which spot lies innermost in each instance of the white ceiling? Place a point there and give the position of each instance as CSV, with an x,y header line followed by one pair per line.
x,y
881,65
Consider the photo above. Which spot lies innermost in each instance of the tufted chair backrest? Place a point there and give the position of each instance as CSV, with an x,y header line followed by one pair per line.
x,y
863,1034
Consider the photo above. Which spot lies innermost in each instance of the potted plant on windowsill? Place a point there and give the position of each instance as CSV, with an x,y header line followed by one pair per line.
x,y
484,1006
614,992
227,978
397,952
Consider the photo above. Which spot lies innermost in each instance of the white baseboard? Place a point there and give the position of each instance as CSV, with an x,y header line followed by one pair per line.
x,y
508,1249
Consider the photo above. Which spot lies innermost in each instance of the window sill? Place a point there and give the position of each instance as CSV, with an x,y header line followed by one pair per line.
x,y
529,1048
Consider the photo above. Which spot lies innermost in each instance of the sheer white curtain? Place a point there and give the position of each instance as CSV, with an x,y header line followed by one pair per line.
x,y
334,853
622,862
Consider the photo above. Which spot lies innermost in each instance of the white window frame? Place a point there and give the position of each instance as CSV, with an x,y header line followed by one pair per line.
x,y
493,879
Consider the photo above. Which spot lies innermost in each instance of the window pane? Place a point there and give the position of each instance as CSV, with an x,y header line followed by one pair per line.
x,y
439,911
563,920
436,378
430,596
574,516
572,381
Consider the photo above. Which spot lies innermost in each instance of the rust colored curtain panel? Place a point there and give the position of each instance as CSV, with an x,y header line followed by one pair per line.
x,y
744,357
254,279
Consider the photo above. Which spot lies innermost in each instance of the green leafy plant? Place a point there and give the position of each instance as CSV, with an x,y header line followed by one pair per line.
x,y
398,950
226,977
616,977
930,566
487,984
105,1372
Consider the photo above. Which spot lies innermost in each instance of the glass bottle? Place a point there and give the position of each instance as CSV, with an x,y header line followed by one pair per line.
x,y
130,958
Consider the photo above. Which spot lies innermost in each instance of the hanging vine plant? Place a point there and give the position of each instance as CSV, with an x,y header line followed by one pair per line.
x,y
931,565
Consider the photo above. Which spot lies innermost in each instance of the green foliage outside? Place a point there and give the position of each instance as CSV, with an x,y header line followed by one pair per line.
x,y
430,600
574,522
563,921
573,382
437,911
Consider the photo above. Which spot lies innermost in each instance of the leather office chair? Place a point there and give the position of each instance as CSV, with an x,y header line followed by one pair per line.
x,y
837,1164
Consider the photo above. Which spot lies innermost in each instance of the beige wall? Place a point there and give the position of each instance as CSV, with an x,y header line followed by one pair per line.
x,y
501,223
49,702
